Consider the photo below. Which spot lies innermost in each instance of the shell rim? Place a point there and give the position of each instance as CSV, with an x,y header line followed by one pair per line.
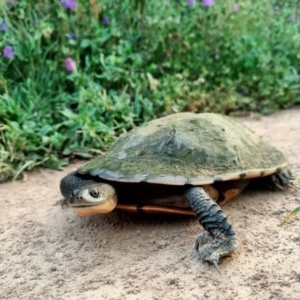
x,y
139,178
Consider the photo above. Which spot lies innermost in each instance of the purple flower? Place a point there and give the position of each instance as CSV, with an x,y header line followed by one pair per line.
x,y
293,18
105,20
69,4
3,26
71,36
70,65
8,52
236,7
207,3
190,2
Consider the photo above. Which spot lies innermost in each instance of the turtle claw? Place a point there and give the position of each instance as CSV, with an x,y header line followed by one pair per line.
x,y
215,263
62,202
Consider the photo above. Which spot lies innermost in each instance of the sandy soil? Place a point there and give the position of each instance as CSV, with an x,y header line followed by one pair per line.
x,y
49,253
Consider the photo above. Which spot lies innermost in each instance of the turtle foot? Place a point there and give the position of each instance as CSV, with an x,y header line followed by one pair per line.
x,y
211,248
282,179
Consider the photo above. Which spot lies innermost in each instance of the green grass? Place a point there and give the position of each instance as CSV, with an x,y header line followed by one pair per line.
x,y
296,186
148,61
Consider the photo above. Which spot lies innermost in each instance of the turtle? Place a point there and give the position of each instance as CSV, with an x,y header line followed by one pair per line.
x,y
184,163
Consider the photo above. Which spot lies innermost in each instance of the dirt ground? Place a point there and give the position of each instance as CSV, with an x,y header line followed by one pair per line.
x,y
49,253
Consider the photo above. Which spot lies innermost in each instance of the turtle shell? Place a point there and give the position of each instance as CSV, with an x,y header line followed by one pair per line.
x,y
187,148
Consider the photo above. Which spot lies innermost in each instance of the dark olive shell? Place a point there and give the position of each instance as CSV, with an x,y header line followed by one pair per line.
x,y
187,148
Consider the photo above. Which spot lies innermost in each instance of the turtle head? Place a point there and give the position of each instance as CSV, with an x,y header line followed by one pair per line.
x,y
87,196
97,198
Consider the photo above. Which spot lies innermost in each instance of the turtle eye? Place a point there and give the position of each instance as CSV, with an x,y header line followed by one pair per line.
x,y
94,193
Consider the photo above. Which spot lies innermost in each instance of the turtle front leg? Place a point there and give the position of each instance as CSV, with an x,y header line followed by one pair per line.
x,y
219,239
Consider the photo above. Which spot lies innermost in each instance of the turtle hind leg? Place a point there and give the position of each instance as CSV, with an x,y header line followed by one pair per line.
x,y
219,239
281,179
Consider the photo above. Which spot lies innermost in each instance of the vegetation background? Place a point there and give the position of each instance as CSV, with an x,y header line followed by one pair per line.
x,y
76,74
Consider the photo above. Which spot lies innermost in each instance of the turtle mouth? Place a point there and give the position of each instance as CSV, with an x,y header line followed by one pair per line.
x,y
84,208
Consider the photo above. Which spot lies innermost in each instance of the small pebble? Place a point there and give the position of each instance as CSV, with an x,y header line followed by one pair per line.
x,y
161,244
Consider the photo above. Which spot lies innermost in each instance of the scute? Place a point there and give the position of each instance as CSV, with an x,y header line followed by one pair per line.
x,y
187,148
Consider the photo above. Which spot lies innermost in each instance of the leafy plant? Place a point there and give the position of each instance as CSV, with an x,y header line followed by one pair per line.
x,y
76,74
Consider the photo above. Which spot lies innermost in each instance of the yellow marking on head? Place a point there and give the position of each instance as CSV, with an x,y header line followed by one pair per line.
x,y
102,208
